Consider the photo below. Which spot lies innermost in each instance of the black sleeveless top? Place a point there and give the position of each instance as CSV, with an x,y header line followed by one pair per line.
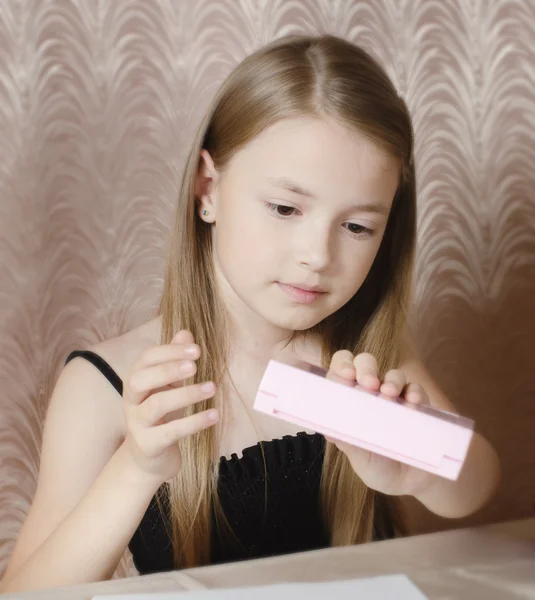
x,y
282,518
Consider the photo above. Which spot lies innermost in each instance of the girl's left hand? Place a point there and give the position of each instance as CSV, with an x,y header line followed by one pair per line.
x,y
378,472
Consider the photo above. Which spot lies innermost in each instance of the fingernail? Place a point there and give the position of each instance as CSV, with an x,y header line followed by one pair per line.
x,y
191,350
212,415
368,380
208,387
186,367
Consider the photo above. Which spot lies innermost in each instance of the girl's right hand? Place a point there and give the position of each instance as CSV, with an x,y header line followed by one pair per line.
x,y
151,395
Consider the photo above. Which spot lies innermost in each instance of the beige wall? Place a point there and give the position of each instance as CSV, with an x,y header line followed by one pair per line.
x,y
97,104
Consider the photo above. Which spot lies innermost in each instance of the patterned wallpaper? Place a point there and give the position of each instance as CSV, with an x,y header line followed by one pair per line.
x,y
98,100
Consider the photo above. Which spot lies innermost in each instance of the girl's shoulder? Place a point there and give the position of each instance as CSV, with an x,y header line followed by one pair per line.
x,y
120,353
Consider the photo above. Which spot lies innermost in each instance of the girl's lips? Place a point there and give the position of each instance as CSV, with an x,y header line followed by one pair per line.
x,y
299,294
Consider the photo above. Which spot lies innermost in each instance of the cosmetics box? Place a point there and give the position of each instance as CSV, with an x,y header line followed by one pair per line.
x,y
422,436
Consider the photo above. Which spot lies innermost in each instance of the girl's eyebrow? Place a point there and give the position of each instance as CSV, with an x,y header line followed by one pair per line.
x,y
292,186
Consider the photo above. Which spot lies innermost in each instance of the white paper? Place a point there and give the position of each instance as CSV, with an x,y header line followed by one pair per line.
x,y
388,587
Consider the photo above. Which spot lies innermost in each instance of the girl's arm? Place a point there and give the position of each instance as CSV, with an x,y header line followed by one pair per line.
x,y
480,474
86,505
453,499
89,543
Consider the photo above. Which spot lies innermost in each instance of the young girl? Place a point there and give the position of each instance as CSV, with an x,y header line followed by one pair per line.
x,y
294,238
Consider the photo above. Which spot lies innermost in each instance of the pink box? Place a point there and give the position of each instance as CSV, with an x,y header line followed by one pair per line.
x,y
421,436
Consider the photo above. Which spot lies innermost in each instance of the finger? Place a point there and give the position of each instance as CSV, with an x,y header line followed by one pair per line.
x,y
163,436
394,383
415,394
183,337
166,353
157,406
367,371
342,365
143,382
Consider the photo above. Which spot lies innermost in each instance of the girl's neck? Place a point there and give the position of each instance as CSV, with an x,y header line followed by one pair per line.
x,y
259,344
258,347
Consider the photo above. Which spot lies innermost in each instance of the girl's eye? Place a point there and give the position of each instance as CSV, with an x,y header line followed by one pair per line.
x,y
281,210
284,211
357,230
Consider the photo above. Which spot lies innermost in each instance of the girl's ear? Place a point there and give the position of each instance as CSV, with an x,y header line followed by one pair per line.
x,y
207,177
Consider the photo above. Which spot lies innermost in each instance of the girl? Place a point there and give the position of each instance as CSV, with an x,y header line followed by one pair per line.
x,y
294,238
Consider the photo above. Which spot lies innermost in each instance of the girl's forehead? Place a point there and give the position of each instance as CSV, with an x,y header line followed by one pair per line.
x,y
309,138
316,155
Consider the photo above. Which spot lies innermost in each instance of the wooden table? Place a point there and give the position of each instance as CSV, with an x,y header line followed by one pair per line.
x,y
495,562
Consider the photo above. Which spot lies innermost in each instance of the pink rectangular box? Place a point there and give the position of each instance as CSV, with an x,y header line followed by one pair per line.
x,y
421,436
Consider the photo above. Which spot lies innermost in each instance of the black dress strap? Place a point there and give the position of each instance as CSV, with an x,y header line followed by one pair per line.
x,y
101,365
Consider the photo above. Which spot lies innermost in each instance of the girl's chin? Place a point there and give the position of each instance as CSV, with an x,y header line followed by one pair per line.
x,y
295,323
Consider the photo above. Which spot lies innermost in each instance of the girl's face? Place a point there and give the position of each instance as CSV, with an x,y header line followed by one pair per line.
x,y
298,216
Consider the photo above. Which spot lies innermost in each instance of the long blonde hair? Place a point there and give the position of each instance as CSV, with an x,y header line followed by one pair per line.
x,y
291,77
